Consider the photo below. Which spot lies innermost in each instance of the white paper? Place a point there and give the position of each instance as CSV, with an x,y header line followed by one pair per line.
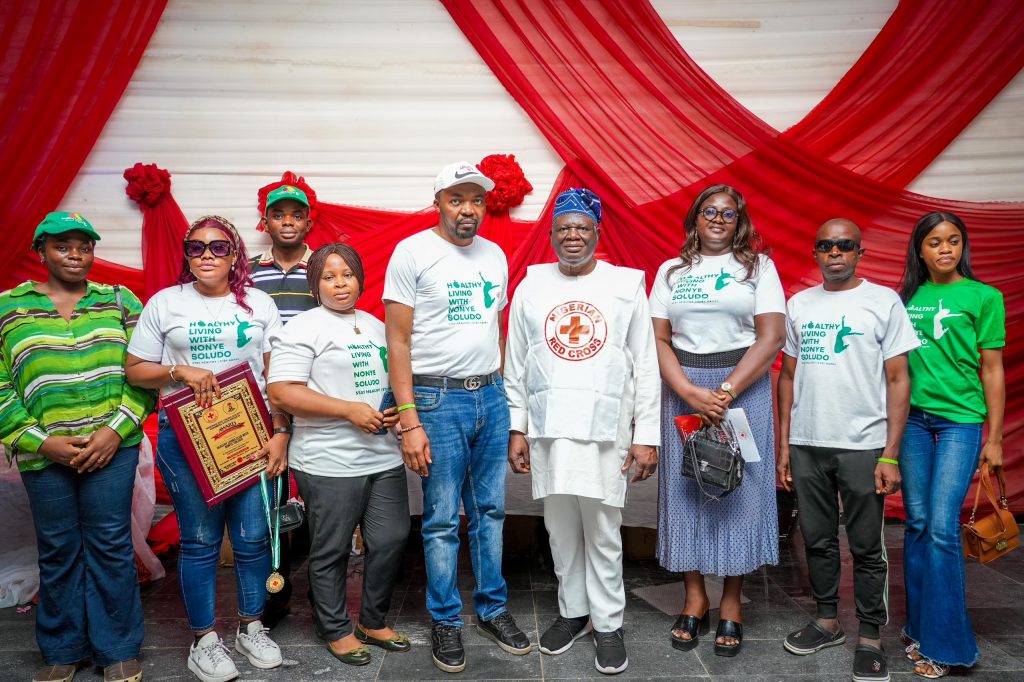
x,y
737,418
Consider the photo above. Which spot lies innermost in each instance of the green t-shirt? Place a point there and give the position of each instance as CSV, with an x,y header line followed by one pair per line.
x,y
953,321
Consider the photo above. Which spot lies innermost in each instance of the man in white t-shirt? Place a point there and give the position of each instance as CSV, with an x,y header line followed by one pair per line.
x,y
844,395
585,397
444,292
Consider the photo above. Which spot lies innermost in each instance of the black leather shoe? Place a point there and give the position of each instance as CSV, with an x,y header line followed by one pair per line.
x,y
446,648
692,626
504,631
728,628
398,643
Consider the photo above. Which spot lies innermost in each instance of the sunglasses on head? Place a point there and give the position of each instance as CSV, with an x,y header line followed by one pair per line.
x,y
845,245
710,213
220,248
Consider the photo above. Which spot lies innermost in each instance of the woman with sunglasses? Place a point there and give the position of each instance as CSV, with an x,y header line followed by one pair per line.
x,y
74,427
329,369
213,319
952,394
719,322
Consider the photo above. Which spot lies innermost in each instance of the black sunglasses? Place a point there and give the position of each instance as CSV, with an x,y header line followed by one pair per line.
x,y
845,245
220,248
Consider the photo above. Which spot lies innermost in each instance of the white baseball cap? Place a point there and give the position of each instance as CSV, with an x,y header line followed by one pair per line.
x,y
458,173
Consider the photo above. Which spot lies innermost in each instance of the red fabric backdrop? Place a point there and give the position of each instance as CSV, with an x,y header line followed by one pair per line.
x,y
640,123
632,116
64,65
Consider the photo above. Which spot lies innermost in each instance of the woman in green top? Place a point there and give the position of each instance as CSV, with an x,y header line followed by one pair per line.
x,y
953,392
74,425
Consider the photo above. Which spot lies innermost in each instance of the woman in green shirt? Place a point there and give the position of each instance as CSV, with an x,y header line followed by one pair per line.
x,y
74,425
957,383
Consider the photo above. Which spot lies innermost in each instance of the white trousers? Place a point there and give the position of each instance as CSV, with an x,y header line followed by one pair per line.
x,y
586,545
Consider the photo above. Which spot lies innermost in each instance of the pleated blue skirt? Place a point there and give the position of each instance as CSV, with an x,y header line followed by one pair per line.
x,y
735,535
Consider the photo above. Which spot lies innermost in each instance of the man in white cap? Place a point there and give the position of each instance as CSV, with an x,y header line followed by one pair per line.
x,y
444,292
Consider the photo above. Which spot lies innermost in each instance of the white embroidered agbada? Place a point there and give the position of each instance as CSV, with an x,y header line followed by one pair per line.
x,y
581,373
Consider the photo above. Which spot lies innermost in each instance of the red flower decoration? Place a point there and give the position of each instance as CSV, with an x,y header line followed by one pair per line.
x,y
510,184
287,178
147,184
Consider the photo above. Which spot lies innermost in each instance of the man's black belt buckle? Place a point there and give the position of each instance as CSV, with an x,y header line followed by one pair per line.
x,y
471,383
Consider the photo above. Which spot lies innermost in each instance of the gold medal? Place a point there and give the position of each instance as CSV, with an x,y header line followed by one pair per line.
x,y
275,583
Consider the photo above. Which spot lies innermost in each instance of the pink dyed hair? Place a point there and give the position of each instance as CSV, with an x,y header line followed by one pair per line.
x,y
239,277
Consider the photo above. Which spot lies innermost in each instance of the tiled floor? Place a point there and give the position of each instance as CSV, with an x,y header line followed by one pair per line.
x,y
779,602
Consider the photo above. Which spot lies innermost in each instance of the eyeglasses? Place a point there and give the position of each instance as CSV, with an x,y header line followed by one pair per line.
x,y
220,248
845,245
710,213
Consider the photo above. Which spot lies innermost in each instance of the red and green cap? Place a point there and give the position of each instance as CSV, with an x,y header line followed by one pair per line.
x,y
59,222
287,192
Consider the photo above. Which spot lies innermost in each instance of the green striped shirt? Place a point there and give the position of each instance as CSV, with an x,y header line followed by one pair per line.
x,y
60,378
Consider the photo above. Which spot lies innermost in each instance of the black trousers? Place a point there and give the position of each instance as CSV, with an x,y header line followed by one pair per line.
x,y
821,476
379,504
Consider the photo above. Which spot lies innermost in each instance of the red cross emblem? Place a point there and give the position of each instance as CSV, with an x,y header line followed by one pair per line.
x,y
575,330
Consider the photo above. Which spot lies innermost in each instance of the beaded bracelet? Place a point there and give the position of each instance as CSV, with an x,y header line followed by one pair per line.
x,y
411,428
408,406
887,460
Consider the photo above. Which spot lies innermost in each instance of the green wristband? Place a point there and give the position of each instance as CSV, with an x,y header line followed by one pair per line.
x,y
405,407
887,460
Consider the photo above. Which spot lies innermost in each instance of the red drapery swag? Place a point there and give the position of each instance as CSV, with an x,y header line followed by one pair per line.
x,y
64,65
640,123
635,119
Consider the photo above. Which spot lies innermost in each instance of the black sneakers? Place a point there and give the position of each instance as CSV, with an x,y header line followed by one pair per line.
x,y
504,631
563,632
446,648
611,652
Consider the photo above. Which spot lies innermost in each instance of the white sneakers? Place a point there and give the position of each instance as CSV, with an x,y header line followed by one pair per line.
x,y
255,645
211,661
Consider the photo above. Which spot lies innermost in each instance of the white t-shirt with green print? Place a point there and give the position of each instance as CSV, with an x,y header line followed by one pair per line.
x,y
180,326
321,349
712,304
457,294
841,340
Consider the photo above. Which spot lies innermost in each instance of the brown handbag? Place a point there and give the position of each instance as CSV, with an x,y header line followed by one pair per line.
x,y
997,534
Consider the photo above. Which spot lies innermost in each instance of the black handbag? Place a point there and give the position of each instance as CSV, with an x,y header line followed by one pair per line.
x,y
291,514
712,458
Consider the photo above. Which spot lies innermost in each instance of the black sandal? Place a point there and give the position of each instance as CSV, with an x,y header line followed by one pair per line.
x,y
728,628
692,626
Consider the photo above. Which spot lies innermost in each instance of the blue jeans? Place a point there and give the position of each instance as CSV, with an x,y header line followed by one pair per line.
x,y
202,531
88,585
468,432
937,461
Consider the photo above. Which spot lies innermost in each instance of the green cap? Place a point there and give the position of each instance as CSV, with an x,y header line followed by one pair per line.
x,y
287,192
60,222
